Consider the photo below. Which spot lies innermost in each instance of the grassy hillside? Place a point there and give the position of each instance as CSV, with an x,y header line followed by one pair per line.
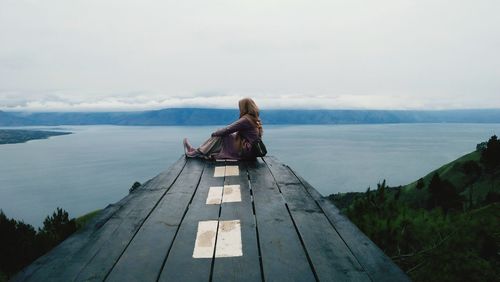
x,y
474,187
451,171
81,221
442,227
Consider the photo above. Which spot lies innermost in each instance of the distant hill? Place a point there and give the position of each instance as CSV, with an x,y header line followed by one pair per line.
x,y
10,119
196,116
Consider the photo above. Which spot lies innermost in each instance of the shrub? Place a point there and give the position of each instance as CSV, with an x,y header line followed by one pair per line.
x,y
490,157
21,244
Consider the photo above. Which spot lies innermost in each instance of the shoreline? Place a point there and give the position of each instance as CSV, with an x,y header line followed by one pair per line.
x,y
19,136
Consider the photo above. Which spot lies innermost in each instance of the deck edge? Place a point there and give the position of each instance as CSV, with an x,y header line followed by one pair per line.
x,y
390,272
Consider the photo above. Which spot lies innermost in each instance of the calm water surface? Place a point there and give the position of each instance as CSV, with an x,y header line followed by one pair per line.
x,y
96,165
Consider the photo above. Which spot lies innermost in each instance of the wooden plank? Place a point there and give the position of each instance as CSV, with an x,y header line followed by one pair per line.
x,y
247,267
52,265
283,256
164,179
114,245
180,264
144,256
378,265
330,256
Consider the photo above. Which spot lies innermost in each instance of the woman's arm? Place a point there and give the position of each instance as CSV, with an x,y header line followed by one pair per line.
x,y
233,127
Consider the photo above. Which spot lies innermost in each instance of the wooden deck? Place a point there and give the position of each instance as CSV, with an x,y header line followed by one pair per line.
x,y
218,221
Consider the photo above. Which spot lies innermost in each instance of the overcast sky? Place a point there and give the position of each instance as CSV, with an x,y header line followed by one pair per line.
x,y
151,54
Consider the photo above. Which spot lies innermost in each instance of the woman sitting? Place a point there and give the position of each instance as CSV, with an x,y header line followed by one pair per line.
x,y
235,140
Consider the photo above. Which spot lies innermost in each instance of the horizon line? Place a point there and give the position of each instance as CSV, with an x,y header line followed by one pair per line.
x,y
261,109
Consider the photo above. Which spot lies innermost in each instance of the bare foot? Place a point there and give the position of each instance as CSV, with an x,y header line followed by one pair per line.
x,y
194,154
187,146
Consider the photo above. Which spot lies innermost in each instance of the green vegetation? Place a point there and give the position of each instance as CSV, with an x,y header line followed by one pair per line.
x,y
11,136
135,186
444,226
84,219
21,244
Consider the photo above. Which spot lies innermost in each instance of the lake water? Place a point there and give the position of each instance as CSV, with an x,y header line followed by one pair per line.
x,y
96,165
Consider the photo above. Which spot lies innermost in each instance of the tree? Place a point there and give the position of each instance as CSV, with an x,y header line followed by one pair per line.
x,y
17,244
443,194
473,171
56,228
481,146
381,187
420,184
491,197
434,190
471,168
20,243
490,157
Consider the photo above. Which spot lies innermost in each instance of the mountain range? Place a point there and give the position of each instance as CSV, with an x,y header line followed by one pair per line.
x,y
202,116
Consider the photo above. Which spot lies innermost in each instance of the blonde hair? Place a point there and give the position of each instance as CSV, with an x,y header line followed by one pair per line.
x,y
249,109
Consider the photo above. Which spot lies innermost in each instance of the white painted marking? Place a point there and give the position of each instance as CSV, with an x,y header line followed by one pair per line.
x,y
219,171
232,170
229,170
229,239
205,239
214,195
232,193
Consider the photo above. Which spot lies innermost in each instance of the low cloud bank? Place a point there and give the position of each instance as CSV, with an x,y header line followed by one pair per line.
x,y
140,102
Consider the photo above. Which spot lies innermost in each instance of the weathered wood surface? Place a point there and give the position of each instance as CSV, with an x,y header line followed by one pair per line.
x,y
280,229
246,267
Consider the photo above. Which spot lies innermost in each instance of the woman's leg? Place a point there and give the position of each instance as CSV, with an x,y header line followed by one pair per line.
x,y
210,147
